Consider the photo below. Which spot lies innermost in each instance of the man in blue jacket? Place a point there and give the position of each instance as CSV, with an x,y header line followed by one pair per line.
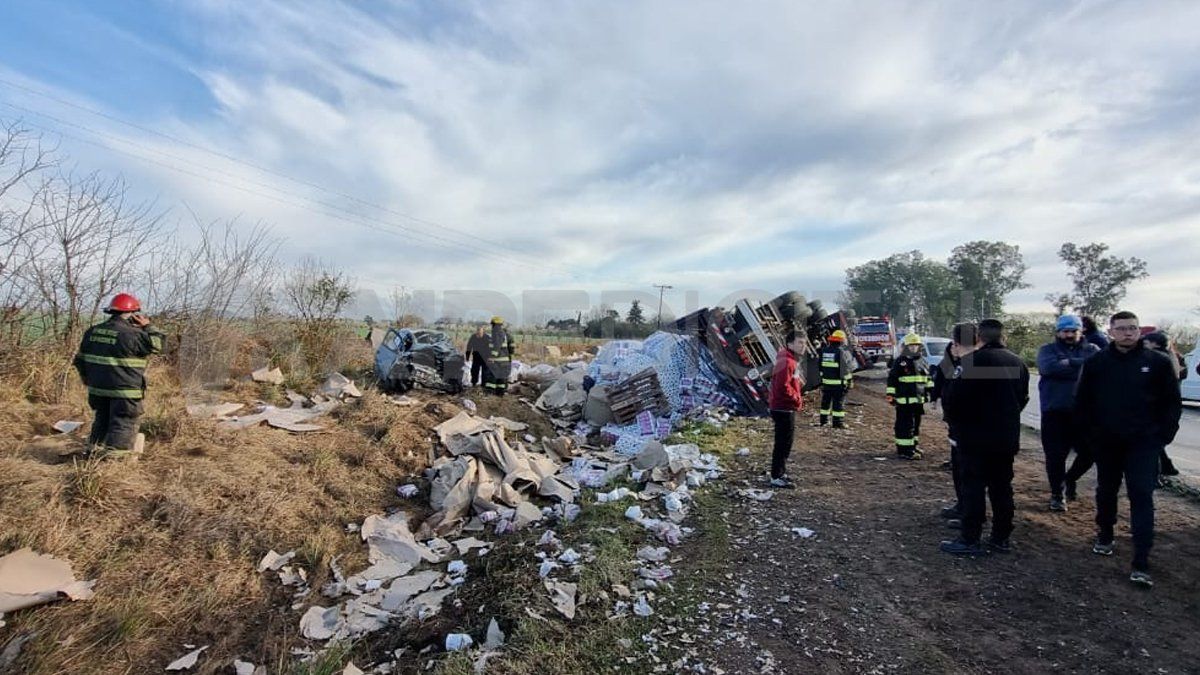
x,y
1059,364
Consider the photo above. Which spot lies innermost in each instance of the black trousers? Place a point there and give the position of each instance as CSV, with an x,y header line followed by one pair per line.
x,y
908,427
956,473
495,377
1060,435
1135,462
987,473
833,404
477,369
785,434
116,421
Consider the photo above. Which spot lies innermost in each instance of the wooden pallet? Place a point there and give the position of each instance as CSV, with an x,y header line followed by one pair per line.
x,y
636,394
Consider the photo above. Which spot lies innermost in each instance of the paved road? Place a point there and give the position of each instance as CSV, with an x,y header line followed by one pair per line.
x,y
1185,451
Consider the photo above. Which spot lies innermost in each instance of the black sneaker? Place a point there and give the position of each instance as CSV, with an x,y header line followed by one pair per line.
x,y
1168,468
1070,491
951,512
946,466
1004,546
954,523
1102,548
1057,504
962,547
1141,578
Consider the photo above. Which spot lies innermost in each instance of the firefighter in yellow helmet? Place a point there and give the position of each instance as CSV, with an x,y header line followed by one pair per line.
x,y
499,359
837,367
909,386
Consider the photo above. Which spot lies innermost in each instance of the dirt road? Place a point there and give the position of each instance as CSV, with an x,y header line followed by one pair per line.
x,y
869,592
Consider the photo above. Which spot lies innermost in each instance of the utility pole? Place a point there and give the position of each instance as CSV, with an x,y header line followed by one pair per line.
x,y
662,288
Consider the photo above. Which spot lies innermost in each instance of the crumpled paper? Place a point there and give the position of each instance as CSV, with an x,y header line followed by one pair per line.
x,y
28,579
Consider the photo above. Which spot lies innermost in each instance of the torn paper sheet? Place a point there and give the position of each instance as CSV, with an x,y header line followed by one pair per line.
x,y
273,561
468,543
352,669
507,424
495,636
339,385
217,410
406,588
66,426
187,660
28,579
272,376
241,667
389,538
459,433
562,595
321,623
456,642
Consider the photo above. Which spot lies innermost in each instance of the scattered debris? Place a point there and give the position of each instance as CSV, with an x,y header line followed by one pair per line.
x,y
66,426
211,410
408,491
273,561
803,532
28,579
456,642
12,650
743,452
495,636
757,494
187,660
241,667
272,376
562,595
338,386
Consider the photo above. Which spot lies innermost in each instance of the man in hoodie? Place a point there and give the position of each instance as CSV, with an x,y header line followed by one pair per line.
x,y
983,403
1092,333
1059,363
1128,400
1159,342
785,400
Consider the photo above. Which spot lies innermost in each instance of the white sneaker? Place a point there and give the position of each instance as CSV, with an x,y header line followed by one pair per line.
x,y
782,483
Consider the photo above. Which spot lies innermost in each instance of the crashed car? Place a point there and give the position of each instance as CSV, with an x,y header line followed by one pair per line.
x,y
410,357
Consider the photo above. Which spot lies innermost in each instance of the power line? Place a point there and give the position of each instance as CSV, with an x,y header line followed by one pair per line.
x,y
355,219
339,212
243,162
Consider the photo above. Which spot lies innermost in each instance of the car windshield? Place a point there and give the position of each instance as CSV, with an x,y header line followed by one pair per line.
x,y
872,328
936,348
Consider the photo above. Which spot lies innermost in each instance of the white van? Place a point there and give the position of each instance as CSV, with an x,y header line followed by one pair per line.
x,y
1191,386
934,350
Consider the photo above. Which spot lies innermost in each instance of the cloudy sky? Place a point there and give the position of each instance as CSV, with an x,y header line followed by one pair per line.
x,y
609,146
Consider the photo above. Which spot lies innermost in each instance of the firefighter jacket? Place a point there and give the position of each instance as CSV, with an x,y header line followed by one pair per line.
x,y
112,358
837,366
909,380
500,347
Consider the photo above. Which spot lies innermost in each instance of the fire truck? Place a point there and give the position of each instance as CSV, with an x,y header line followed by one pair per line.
x,y
875,336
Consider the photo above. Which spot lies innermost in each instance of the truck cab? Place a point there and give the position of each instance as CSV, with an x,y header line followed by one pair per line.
x,y
876,337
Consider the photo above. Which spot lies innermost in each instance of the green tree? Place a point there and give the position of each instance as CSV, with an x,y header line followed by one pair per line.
x,y
1100,281
988,271
635,317
906,286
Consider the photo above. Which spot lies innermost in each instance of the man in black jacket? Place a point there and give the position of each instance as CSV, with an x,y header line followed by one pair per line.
x,y
964,336
478,348
1128,402
112,364
983,403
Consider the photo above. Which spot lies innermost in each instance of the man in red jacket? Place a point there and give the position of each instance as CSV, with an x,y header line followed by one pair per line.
x,y
787,385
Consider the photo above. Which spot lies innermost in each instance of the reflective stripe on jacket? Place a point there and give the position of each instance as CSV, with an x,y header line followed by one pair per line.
x,y
112,358
836,369
908,379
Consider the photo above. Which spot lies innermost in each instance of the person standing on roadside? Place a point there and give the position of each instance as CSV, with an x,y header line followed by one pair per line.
x,y
983,403
785,400
478,347
964,339
1059,363
1128,400
1159,342
907,385
837,377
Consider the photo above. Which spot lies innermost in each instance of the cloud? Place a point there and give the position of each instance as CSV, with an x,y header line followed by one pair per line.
x,y
698,143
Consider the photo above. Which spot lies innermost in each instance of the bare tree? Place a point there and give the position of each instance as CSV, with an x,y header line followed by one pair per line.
x,y
24,158
93,241
203,290
316,294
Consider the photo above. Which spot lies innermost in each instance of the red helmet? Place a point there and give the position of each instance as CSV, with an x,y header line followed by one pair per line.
x,y
122,303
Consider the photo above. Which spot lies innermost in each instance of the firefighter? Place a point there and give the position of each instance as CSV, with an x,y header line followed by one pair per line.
x,y
908,389
837,367
499,362
112,364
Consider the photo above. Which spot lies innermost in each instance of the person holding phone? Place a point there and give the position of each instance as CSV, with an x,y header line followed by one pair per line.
x,y
112,364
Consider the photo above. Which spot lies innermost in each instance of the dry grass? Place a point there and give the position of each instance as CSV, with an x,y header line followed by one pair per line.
x,y
173,539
